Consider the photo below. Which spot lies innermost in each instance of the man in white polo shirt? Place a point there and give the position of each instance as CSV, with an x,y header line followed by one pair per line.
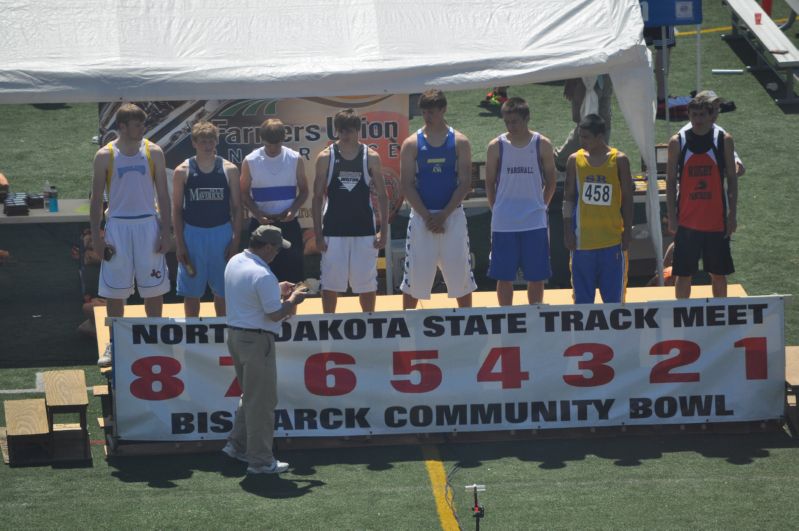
x,y
256,303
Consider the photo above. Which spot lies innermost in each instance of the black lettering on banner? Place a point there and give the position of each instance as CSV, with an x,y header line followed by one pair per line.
x,y
184,423
221,421
687,317
577,321
148,334
328,329
516,412
397,327
715,315
282,420
305,419
447,415
475,326
686,406
392,417
353,417
546,411
517,323
355,329
616,317
486,413
171,334
196,333
433,327
421,416
326,420
596,321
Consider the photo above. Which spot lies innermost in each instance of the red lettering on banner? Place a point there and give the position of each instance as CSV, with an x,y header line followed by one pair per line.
x,y
143,388
601,372
687,353
317,373
235,388
510,373
429,374
756,357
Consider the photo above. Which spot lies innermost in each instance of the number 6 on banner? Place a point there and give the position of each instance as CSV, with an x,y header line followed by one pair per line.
x,y
317,373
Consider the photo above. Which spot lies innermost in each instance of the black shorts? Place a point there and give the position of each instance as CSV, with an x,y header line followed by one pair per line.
x,y
288,264
712,247
653,36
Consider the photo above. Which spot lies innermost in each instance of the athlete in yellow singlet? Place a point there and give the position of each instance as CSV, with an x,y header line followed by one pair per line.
x,y
597,215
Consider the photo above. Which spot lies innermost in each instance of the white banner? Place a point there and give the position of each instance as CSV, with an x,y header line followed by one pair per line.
x,y
481,369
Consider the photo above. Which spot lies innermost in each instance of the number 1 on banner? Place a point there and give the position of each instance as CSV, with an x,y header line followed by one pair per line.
x,y
755,356
510,373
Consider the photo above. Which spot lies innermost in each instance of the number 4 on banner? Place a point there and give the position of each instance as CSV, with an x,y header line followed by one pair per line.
x,y
510,372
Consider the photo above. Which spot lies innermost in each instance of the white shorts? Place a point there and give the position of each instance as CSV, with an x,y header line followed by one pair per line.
x,y
449,251
134,241
349,259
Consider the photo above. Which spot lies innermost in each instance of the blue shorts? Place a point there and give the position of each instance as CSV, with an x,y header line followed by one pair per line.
x,y
206,248
526,249
605,269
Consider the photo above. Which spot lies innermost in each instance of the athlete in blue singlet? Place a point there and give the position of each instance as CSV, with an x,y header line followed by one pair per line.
x,y
435,172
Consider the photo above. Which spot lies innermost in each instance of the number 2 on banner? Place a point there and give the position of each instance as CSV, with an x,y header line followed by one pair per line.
x,y
510,373
687,353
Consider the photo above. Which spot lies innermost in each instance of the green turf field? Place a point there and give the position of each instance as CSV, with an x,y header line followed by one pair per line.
x,y
630,482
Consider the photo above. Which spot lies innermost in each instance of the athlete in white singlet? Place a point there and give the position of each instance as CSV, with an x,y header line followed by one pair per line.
x,y
137,235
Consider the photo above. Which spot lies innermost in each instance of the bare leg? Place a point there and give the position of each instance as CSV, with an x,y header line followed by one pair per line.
x,y
154,306
465,301
682,287
368,300
191,306
719,283
329,300
408,302
219,306
505,292
535,292
115,307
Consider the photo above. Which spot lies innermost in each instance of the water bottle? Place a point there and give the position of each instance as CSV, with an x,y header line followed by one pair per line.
x,y
53,199
46,194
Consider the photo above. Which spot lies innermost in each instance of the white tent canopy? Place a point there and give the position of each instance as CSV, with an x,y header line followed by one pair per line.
x,y
138,50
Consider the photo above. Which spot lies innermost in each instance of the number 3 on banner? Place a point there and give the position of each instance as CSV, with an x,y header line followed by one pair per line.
x,y
144,386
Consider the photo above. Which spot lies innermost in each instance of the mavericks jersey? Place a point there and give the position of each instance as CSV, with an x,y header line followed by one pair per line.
x,y
206,196
519,204
130,182
701,202
597,217
436,171
274,179
348,209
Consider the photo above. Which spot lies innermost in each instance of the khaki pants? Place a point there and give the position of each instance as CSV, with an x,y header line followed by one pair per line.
x,y
254,424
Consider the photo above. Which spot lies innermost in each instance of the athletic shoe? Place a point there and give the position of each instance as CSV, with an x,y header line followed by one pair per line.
x,y
105,359
230,451
275,467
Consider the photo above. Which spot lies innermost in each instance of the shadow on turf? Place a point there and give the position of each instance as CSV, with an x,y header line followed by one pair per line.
x,y
736,449
164,472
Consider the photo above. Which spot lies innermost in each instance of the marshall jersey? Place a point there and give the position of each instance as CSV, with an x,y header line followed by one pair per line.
x,y
519,204
701,201
348,209
597,217
436,171
130,182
